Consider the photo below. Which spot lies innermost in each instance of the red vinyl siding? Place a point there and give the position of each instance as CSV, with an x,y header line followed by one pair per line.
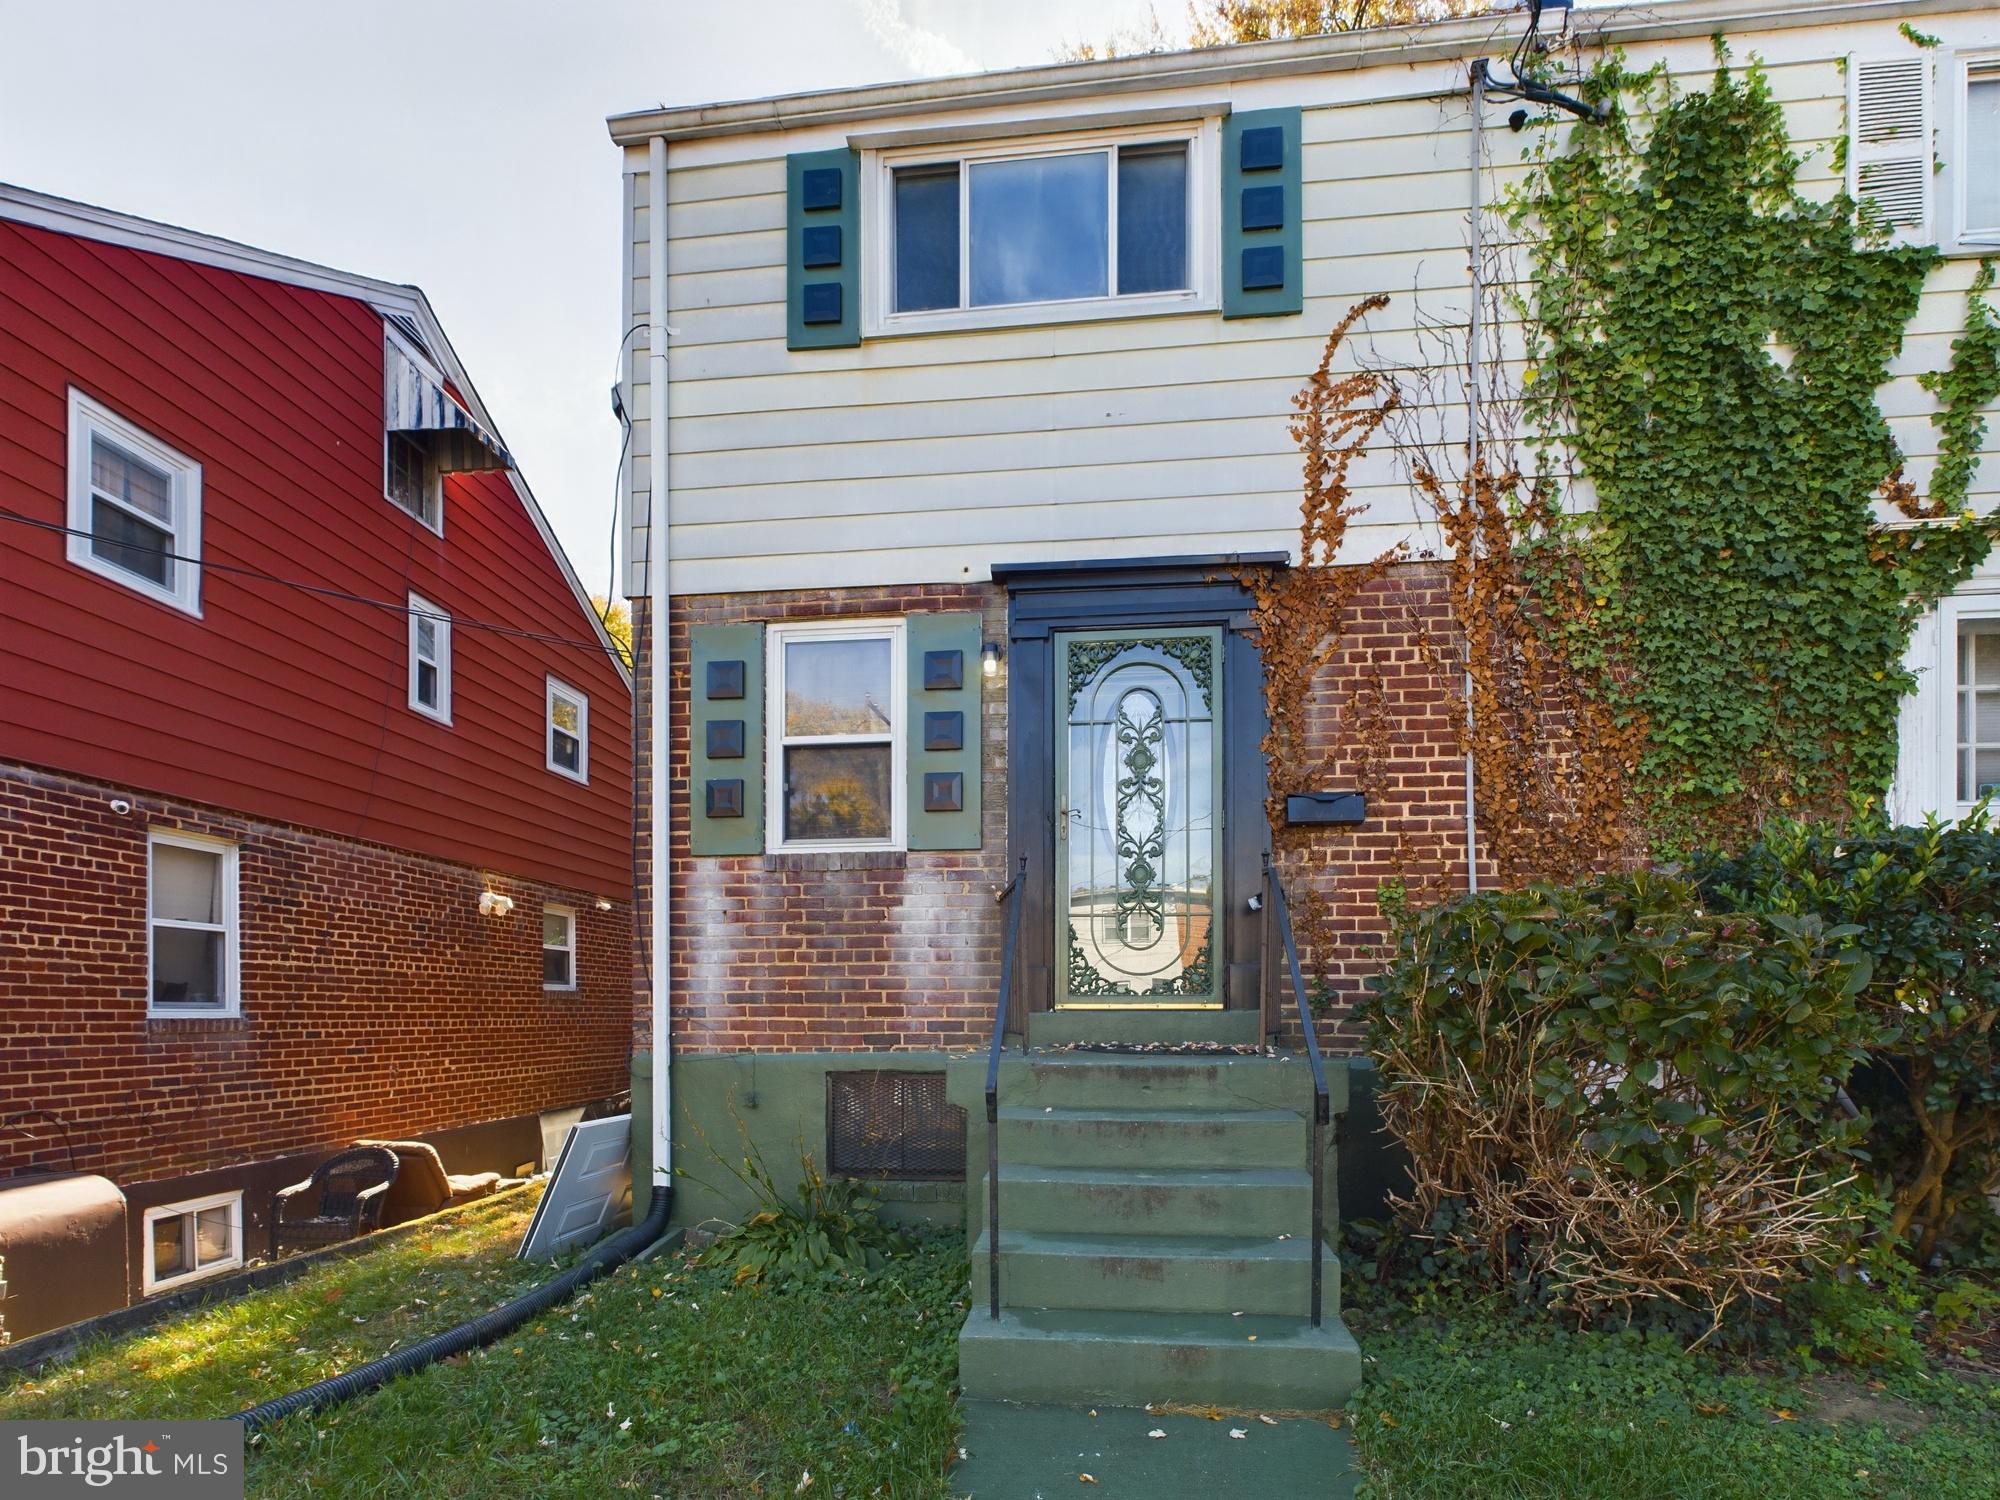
x,y
279,702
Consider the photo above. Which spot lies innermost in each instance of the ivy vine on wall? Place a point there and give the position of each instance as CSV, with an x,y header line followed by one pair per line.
x,y
1706,343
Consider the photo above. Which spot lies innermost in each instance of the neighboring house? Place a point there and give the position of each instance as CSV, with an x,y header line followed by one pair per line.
x,y
966,403
296,685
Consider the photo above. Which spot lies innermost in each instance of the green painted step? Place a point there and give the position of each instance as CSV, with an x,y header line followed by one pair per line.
x,y
1116,1080
1131,1358
1064,1136
1052,1028
1251,1201
1153,1273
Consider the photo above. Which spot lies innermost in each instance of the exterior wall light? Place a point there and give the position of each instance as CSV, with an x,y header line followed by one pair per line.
x,y
602,904
989,659
493,904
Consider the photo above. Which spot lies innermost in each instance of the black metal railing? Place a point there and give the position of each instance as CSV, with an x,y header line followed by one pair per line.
x,y
1008,894
1274,893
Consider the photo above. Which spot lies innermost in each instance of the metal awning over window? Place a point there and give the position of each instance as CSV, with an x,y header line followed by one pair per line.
x,y
417,406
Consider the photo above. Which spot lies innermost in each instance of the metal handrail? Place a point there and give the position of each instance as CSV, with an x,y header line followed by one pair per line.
x,y
993,1090
1274,891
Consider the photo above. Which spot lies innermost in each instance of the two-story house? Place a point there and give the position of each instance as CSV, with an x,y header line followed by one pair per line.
x,y
961,416
314,756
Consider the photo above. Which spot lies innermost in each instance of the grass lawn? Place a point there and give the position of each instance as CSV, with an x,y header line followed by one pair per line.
x,y
1478,1409
662,1378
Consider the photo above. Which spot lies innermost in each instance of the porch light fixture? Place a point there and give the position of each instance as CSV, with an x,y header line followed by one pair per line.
x,y
493,904
989,659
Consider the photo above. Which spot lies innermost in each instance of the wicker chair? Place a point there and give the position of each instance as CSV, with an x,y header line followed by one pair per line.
x,y
343,1198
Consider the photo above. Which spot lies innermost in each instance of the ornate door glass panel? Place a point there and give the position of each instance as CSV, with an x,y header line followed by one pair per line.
x,y
1139,834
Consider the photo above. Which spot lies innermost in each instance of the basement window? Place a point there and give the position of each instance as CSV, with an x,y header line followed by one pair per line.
x,y
183,1242
893,1125
134,507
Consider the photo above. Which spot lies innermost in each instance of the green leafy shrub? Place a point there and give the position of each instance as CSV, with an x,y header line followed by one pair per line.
x,y
826,1229
1923,904
1609,1091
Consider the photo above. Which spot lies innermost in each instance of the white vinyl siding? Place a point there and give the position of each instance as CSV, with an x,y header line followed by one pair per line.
x,y
193,938
928,459
566,730
134,506
185,1242
430,659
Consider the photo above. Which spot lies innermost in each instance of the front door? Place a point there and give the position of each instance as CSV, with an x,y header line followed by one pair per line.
x,y
1138,818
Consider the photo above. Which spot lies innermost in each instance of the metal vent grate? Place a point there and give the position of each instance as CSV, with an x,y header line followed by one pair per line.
x,y
893,1124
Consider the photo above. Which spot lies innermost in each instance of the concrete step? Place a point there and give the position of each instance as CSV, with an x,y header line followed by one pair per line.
x,y
1137,1023
1120,1080
1255,1362
1155,1273
1249,1201
1063,1136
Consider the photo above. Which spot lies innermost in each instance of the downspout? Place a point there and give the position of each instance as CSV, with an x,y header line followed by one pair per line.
x,y
1472,415
659,677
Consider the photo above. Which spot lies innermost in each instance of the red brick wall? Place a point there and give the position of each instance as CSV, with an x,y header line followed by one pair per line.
x,y
376,1000
803,952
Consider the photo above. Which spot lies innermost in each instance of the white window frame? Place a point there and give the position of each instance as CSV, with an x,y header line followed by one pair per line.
x,y
878,208
88,419
776,740
552,687
1927,729
230,927
441,635
1953,82
149,1282
554,909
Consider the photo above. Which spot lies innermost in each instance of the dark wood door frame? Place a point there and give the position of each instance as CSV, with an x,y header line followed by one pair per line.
x,y
1044,598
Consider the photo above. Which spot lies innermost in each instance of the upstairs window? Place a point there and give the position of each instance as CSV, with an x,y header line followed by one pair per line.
x,y
567,721
1090,226
1979,151
192,931
430,659
558,948
134,507
837,758
1978,693
411,480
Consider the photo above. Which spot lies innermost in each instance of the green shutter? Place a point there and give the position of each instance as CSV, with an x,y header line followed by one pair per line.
x,y
942,730
822,249
726,739
1262,270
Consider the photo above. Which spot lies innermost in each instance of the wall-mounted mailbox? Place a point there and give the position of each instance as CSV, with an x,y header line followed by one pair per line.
x,y
1325,807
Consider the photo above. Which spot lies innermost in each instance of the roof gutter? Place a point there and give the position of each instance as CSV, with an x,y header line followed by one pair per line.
x,y
1346,51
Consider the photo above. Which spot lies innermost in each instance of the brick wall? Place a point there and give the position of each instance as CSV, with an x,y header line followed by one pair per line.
x,y
376,1000
779,953
797,952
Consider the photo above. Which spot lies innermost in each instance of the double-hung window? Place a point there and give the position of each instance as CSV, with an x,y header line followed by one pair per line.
x,y
412,481
430,659
1016,231
134,506
186,1241
1976,752
558,948
566,719
1972,165
836,748
192,926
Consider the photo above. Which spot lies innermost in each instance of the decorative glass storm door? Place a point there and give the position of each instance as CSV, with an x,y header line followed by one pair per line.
x,y
1139,818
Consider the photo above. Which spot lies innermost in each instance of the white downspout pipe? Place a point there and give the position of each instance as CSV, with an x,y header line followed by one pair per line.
x,y
660,679
1472,416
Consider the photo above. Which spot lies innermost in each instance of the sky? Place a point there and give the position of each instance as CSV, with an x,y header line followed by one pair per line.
x,y
457,145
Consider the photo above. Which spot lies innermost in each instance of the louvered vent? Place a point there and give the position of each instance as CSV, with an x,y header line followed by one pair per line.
x,y
1891,101
1889,149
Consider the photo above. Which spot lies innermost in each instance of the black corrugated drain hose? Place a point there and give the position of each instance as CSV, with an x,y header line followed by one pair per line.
x,y
477,1333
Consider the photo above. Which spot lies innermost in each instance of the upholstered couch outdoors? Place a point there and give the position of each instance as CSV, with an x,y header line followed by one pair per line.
x,y
422,1185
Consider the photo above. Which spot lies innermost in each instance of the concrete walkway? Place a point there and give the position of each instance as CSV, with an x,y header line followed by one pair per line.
x,y
1042,1452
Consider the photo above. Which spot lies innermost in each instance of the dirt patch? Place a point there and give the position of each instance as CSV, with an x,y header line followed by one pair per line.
x,y
1842,1398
